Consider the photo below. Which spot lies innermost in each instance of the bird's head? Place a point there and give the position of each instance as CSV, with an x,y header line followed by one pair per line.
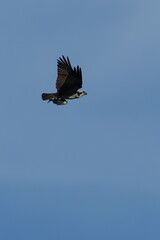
x,y
82,93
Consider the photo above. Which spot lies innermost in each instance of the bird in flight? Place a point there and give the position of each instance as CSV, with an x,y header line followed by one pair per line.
x,y
69,80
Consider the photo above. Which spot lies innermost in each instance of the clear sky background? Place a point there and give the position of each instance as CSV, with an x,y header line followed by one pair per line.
x,y
90,169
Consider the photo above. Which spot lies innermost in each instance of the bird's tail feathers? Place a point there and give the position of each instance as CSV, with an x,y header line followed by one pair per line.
x,y
48,96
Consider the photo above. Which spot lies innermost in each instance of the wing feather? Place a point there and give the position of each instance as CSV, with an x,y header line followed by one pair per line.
x,y
68,78
64,68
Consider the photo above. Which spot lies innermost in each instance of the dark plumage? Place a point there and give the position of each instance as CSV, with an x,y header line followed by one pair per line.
x,y
69,80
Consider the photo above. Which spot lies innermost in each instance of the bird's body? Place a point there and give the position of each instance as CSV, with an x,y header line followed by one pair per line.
x,y
68,82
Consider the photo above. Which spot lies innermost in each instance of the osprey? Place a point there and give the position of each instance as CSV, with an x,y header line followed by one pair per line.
x,y
69,80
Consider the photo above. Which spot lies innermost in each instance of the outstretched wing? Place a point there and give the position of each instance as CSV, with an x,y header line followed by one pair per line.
x,y
64,68
68,77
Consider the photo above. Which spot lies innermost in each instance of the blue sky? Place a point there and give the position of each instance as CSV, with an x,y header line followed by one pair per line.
x,y
90,169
